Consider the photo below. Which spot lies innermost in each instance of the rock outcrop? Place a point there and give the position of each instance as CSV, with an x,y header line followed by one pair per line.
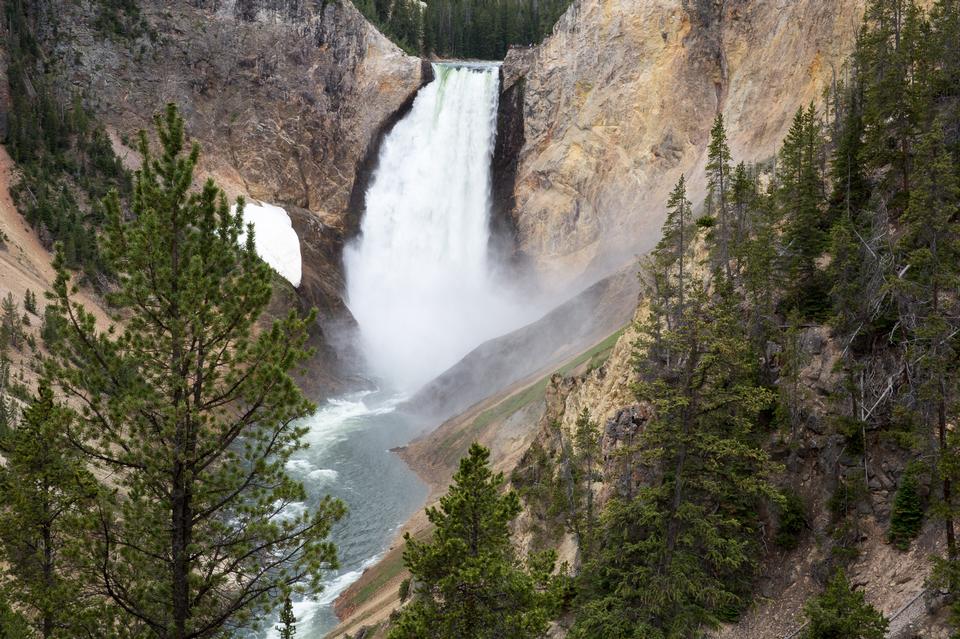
x,y
620,99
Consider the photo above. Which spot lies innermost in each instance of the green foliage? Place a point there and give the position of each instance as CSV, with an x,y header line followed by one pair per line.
x,y
288,621
48,496
845,497
191,413
719,176
11,323
678,555
120,19
30,302
467,580
66,160
12,624
906,516
841,611
792,521
482,29
800,198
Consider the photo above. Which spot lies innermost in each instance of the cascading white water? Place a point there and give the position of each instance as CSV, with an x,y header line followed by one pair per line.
x,y
418,279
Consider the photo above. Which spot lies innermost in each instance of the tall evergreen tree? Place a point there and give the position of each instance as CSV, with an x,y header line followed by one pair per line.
x,y
800,193
668,271
719,175
47,495
586,438
467,580
190,411
930,250
678,556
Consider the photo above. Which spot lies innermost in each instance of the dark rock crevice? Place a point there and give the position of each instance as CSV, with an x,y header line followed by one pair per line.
x,y
505,161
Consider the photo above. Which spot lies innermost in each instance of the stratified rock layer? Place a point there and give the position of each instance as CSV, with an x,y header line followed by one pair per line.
x,y
620,99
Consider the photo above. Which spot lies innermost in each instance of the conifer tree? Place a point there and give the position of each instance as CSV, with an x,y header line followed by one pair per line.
x,y
800,200
189,411
677,556
288,621
761,269
743,192
668,270
11,322
719,176
841,611
467,580
930,250
47,495
586,438
906,515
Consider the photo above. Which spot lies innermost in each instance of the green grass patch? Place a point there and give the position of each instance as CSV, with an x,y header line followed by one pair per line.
x,y
387,571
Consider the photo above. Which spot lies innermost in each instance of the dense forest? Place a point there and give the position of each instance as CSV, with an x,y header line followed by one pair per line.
x,y
482,29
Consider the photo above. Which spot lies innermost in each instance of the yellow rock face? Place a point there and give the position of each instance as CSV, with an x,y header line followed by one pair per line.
x,y
620,99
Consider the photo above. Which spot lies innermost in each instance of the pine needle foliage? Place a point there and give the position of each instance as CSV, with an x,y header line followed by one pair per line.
x,y
467,580
842,611
190,410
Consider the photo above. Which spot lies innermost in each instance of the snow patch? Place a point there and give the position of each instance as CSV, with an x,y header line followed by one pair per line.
x,y
276,242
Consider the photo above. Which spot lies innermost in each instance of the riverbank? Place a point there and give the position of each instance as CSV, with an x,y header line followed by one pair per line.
x,y
506,423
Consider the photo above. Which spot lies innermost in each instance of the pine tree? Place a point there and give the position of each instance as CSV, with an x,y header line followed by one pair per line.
x,y
11,322
677,556
743,192
719,176
586,439
761,270
841,611
467,580
930,250
674,245
30,302
189,411
800,194
906,515
288,621
48,496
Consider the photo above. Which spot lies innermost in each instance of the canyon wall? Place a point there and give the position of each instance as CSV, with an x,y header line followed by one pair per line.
x,y
288,99
619,101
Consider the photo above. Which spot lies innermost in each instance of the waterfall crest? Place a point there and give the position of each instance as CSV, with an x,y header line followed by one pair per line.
x,y
418,279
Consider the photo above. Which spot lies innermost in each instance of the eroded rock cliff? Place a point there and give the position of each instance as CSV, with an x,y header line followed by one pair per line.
x,y
288,100
620,99
285,97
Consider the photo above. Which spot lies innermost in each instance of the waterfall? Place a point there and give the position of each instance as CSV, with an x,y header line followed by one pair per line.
x,y
418,279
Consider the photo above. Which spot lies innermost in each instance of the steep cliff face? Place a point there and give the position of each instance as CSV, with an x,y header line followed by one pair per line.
x,y
287,99
620,99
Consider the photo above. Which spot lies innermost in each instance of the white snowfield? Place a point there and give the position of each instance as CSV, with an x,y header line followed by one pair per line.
x,y
276,242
